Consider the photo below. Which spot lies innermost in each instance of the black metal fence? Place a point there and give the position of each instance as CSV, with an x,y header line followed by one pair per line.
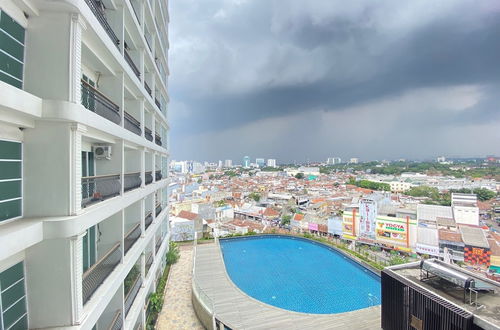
x,y
158,209
97,8
131,237
148,134
130,297
149,261
146,86
158,139
131,63
131,181
97,274
132,124
158,104
117,322
158,244
148,177
148,220
99,188
97,102
406,306
158,175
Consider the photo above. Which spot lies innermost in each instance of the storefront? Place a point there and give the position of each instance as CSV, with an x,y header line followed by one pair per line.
x,y
395,233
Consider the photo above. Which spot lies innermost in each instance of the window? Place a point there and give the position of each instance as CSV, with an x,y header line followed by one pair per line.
x,y
89,248
13,311
10,180
11,51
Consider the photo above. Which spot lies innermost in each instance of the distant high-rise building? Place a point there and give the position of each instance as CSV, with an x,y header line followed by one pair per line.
x,y
260,162
354,160
271,162
246,161
228,163
333,161
219,164
441,159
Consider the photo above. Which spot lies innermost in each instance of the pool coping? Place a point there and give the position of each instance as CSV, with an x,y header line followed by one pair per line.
x,y
365,318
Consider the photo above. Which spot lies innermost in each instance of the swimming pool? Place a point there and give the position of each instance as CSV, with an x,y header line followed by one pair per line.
x,y
299,275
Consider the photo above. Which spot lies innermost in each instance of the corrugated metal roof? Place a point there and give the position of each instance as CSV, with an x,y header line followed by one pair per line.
x,y
474,236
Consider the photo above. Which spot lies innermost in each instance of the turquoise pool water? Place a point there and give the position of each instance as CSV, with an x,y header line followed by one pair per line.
x,y
299,275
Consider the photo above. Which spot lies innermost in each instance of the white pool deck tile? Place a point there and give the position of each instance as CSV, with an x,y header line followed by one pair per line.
x,y
239,311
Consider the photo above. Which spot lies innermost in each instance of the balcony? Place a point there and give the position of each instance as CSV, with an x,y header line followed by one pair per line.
x,y
131,63
148,134
158,139
148,220
158,175
132,124
131,237
148,89
158,104
132,293
131,181
158,209
97,8
95,101
99,188
149,261
158,244
149,177
97,274
117,322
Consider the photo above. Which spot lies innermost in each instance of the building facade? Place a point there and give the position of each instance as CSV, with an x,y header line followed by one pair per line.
x,y
83,161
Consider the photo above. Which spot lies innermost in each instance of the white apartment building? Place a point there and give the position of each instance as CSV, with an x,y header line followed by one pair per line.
x,y
228,163
333,160
271,162
83,161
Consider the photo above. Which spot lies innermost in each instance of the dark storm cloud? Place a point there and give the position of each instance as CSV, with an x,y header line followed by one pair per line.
x,y
327,59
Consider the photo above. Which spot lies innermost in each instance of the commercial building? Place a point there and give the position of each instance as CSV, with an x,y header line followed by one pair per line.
x,y
271,162
83,162
354,160
333,160
246,161
260,162
228,163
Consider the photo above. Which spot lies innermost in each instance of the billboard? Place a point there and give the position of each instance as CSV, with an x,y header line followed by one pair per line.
x,y
367,215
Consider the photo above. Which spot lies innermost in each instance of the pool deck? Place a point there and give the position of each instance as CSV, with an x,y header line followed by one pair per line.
x,y
239,311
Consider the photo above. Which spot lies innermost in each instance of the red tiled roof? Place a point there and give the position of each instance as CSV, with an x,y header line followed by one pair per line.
x,y
187,215
298,217
269,212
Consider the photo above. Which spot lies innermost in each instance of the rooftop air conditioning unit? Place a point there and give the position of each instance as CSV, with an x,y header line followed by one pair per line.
x,y
102,152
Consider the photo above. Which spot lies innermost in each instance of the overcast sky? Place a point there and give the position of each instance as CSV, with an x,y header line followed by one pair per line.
x,y
298,80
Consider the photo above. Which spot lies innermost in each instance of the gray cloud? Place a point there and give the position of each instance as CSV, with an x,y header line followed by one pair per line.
x,y
237,64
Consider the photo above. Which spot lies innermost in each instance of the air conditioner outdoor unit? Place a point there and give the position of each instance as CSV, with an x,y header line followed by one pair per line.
x,y
102,152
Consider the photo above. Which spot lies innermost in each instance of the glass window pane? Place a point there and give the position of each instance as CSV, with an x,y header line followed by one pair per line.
x,y
10,189
11,209
14,313
11,27
13,294
10,150
11,81
11,66
11,275
11,47
10,170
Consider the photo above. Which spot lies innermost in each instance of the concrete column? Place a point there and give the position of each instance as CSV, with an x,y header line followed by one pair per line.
x,y
76,250
75,57
76,168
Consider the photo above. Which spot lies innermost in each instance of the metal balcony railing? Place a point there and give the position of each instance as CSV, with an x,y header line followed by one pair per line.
x,y
131,237
158,244
148,177
158,104
97,7
147,88
130,62
148,134
149,262
158,209
135,11
99,188
97,102
148,41
158,139
130,297
158,175
131,181
97,274
132,124
148,220
117,322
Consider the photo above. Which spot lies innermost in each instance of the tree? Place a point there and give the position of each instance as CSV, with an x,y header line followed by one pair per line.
x,y
173,253
285,220
255,196
299,175
200,181
484,194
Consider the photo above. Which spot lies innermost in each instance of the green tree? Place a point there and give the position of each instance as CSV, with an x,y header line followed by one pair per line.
x,y
299,175
484,194
285,220
255,196
173,253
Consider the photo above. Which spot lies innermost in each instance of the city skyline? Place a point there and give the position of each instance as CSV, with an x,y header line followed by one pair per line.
x,y
375,81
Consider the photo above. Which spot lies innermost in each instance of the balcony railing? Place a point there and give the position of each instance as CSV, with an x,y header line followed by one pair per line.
x,y
117,322
148,220
158,175
98,10
147,36
131,181
99,188
132,124
97,102
147,88
149,262
131,237
158,104
97,274
158,244
158,139
148,134
130,297
158,209
148,177
135,11
132,64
